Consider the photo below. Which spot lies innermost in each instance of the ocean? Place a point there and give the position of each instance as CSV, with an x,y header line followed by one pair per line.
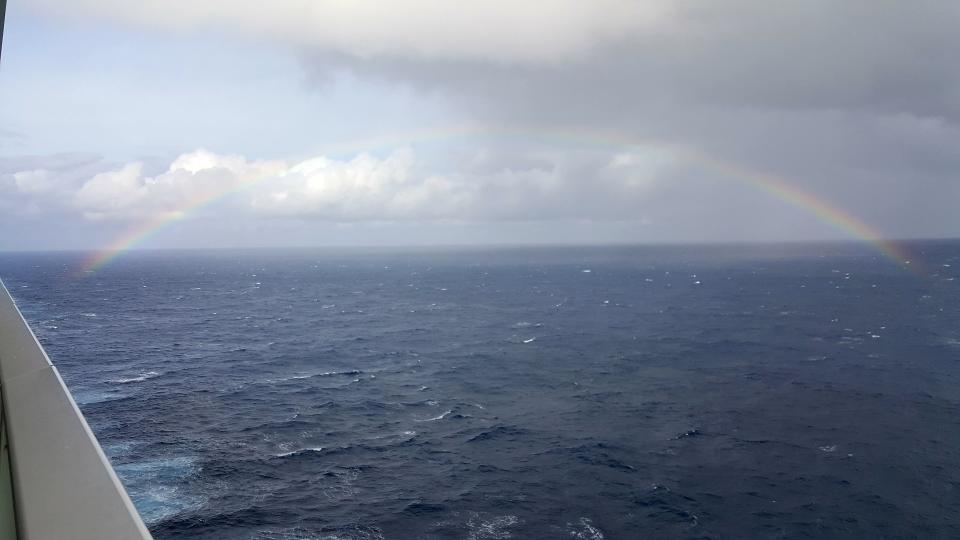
x,y
586,393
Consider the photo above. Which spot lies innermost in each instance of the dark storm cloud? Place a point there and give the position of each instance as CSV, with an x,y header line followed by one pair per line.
x,y
857,101
877,56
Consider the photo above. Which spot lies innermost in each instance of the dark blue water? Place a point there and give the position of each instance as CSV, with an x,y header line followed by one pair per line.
x,y
727,392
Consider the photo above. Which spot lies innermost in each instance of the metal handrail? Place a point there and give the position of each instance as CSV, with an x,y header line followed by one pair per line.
x,y
63,484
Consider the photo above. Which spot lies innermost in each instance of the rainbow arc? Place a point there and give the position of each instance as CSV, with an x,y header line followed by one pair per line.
x,y
775,186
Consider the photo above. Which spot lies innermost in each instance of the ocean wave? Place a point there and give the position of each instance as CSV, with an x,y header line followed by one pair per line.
x,y
157,487
300,452
353,532
584,530
89,398
521,339
139,378
117,449
435,418
335,373
525,324
496,432
495,528
302,376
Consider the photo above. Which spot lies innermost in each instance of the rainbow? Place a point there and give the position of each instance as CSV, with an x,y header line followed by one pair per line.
x,y
771,184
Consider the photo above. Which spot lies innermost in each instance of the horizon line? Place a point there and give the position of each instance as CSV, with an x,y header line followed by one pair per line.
x,y
626,243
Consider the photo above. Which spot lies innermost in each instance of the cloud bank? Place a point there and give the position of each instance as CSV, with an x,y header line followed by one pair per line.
x,y
494,30
490,186
857,102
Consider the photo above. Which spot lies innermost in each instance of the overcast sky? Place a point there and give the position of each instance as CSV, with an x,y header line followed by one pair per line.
x,y
323,122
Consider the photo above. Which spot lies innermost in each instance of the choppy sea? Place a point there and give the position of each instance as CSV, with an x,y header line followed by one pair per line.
x,y
585,393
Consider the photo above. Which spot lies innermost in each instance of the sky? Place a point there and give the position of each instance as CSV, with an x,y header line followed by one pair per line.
x,y
234,123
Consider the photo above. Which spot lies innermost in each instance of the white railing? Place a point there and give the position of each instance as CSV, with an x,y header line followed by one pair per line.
x,y
63,484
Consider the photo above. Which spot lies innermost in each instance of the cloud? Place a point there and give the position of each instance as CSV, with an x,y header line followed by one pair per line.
x,y
41,185
598,186
190,180
551,30
857,102
35,181
604,55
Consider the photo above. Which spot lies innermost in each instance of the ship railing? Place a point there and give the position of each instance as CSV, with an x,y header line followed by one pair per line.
x,y
55,481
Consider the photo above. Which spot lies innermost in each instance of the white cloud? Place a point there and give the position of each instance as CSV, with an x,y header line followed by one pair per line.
x,y
191,179
370,188
35,181
364,187
113,191
42,185
499,30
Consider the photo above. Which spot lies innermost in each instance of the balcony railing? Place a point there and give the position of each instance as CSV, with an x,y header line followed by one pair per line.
x,y
55,481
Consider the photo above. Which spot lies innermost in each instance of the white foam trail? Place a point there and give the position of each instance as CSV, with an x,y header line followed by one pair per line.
x,y
300,451
585,530
140,378
311,375
89,398
441,417
157,487
525,324
495,528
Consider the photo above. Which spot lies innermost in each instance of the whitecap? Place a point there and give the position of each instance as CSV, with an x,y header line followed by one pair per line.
x,y
156,486
525,324
531,340
139,378
951,341
114,450
89,398
496,528
584,530
299,533
441,417
334,373
300,451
